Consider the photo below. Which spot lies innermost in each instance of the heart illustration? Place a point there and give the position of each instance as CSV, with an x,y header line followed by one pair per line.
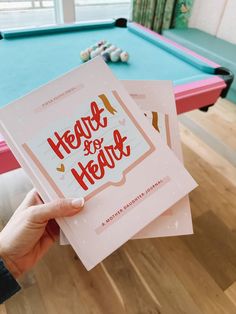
x,y
61,168
122,122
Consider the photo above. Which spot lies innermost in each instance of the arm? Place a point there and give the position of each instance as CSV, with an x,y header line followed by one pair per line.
x,y
29,234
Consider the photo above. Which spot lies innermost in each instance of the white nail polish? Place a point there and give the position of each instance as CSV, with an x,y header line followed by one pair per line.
x,y
78,202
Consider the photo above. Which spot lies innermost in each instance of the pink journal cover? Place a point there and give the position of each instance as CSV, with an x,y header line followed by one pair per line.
x,y
156,100
83,135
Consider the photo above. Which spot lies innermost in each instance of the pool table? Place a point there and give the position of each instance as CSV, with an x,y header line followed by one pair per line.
x,y
33,57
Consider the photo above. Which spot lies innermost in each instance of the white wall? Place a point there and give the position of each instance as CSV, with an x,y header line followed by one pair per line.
x,y
206,15
216,17
227,26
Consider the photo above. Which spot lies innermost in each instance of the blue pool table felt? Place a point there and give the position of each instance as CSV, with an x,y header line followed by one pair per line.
x,y
29,62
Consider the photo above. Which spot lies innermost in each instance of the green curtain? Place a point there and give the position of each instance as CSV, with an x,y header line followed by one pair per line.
x,y
162,14
182,13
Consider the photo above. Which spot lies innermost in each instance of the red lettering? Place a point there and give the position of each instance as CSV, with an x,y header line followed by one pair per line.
x,y
60,142
106,158
87,147
83,128
91,147
96,116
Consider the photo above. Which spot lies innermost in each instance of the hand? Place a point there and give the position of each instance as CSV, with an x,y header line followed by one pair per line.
x,y
32,230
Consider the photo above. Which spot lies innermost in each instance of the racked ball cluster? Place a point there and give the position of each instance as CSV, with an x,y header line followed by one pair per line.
x,y
108,51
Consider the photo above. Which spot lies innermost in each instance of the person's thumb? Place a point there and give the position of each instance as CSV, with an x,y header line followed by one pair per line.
x,y
56,209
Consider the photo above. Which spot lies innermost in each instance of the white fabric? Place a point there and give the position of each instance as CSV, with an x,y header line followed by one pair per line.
x,y
227,27
206,15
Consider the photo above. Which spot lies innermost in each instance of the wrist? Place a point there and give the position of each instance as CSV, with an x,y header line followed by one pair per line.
x,y
8,284
10,265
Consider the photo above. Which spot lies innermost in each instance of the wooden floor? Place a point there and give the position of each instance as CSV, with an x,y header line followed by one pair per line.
x,y
190,274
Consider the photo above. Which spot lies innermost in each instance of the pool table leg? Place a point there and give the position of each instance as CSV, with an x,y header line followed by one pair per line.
x,y
205,108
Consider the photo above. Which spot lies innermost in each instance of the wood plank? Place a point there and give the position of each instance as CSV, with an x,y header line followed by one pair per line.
x,y
213,244
56,285
27,301
66,284
226,110
219,127
215,192
201,149
203,289
136,297
231,293
3,309
97,284
160,279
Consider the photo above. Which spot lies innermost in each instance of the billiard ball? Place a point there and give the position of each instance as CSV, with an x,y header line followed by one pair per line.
x,y
84,55
89,49
124,56
107,45
115,55
111,48
106,56
99,50
93,54
101,42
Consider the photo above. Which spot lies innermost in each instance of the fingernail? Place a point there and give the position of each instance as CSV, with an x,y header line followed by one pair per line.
x,y
78,202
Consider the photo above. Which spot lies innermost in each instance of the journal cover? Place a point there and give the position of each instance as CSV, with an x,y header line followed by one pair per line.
x,y
83,135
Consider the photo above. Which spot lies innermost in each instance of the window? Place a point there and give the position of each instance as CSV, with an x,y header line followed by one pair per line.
x,y
24,13
28,13
101,9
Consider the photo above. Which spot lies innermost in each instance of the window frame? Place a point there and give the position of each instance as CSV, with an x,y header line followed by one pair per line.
x,y
64,11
